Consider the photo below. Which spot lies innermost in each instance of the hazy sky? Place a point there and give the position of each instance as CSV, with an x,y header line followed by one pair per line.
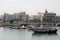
x,y
30,6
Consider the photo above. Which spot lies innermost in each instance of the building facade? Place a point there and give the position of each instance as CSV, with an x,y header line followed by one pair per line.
x,y
8,17
40,14
22,16
49,18
35,17
57,19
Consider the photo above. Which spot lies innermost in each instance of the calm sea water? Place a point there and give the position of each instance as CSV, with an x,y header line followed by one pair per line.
x,y
24,34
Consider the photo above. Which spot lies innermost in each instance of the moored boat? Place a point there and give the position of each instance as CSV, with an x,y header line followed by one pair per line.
x,y
44,30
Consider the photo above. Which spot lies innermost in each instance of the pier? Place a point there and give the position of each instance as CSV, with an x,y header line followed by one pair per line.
x,y
26,24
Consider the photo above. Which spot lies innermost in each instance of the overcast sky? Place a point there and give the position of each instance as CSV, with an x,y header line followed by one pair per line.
x,y
30,6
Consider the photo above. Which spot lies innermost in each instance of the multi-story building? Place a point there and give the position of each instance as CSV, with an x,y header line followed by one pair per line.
x,y
49,18
27,17
36,17
1,19
22,16
8,17
18,16
57,19
40,15
30,17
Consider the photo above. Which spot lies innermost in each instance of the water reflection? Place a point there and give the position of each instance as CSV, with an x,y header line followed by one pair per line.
x,y
41,34
44,36
22,34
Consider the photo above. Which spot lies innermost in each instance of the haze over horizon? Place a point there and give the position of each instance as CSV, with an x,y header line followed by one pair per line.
x,y
30,6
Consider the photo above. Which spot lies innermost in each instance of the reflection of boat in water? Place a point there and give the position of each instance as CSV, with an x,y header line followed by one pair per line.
x,y
42,34
43,29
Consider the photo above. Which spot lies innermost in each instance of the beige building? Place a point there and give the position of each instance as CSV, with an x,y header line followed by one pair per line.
x,y
36,17
30,17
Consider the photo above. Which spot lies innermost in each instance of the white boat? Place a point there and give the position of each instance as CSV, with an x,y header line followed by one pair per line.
x,y
44,30
23,27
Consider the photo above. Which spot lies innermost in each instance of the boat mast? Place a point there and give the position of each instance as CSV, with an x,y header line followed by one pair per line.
x,y
41,21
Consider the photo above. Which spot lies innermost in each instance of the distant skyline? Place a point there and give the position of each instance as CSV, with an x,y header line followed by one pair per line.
x,y
31,7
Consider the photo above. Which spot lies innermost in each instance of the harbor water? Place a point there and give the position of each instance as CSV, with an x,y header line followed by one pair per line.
x,y
24,34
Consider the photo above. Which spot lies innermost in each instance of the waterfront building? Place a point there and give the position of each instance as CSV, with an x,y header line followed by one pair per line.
x,y
22,16
40,15
27,17
16,17
15,14
31,17
1,19
36,17
57,19
8,17
49,18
